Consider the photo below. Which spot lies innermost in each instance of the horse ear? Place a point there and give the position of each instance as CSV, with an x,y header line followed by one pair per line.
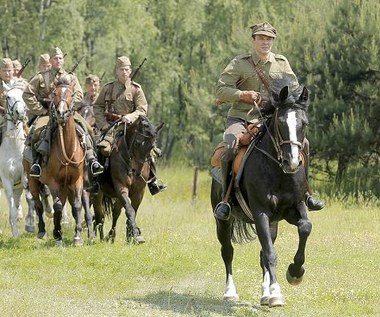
x,y
284,93
305,94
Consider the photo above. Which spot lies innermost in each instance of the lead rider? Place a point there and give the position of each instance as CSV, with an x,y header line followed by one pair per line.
x,y
243,82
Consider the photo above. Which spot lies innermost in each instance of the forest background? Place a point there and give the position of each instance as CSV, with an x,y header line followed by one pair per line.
x,y
332,45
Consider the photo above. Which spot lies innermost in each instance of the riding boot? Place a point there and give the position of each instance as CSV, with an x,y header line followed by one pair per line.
x,y
93,187
95,167
155,185
312,203
35,170
223,209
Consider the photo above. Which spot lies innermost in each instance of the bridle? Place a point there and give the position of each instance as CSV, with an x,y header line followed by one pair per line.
x,y
11,115
62,118
278,141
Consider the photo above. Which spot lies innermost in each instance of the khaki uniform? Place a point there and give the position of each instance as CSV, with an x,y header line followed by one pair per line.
x,y
122,99
86,109
119,98
240,75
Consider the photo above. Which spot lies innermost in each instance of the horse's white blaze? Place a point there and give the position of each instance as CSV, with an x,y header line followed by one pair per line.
x,y
291,120
230,291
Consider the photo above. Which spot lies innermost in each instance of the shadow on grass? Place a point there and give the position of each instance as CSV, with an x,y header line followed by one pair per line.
x,y
190,305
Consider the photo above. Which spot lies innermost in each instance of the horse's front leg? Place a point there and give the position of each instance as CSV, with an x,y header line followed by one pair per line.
x,y
88,216
116,211
97,202
268,261
296,270
224,233
57,206
133,232
265,286
13,207
75,199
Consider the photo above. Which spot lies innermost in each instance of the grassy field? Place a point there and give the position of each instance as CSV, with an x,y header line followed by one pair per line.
x,y
179,272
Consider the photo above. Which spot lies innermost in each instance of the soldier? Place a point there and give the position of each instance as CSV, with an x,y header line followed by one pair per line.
x,y
37,96
123,97
85,109
44,63
7,81
16,67
242,83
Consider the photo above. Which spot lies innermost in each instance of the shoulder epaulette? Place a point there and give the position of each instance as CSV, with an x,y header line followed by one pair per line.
x,y
279,56
136,84
244,56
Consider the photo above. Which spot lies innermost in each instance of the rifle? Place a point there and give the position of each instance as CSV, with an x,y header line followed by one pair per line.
x,y
76,65
27,61
137,69
101,77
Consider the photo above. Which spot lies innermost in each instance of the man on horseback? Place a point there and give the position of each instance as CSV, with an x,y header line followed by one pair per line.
x,y
7,81
85,109
125,99
38,97
245,82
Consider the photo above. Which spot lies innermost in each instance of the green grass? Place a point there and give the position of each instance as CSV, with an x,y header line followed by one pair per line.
x,y
179,272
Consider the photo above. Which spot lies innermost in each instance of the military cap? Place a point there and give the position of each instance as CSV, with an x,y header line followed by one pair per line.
x,y
123,61
265,29
44,59
55,51
6,63
16,64
91,78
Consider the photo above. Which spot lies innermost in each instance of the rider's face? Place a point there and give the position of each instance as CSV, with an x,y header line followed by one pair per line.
x,y
123,73
6,74
57,61
262,44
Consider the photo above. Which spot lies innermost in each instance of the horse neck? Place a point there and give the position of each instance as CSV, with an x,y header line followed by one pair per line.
x,y
14,132
69,135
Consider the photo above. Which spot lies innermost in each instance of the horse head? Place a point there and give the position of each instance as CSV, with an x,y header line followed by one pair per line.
x,y
289,124
141,137
63,100
15,105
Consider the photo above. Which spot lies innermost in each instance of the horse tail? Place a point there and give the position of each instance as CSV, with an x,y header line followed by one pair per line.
x,y
243,232
107,205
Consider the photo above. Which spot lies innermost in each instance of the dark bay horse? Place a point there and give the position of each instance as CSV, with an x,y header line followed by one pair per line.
x,y
271,188
124,182
64,170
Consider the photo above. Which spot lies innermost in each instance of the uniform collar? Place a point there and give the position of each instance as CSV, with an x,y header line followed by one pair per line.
x,y
256,59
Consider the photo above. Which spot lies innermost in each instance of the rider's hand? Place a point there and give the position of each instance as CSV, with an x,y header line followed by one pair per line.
x,y
127,119
249,96
105,127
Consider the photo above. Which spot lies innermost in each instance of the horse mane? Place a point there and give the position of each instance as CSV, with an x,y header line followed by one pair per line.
x,y
63,81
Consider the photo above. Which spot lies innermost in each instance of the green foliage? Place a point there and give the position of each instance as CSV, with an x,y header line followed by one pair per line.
x,y
333,47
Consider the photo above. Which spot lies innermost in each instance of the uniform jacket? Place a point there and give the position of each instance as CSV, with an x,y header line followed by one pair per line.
x,y
241,75
41,86
119,98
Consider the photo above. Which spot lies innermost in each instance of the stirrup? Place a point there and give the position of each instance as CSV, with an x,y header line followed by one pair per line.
x,y
222,211
35,170
156,187
96,170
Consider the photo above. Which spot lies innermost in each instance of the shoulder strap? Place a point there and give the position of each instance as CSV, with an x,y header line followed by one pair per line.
x,y
261,74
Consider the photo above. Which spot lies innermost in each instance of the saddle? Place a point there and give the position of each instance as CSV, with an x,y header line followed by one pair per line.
x,y
244,141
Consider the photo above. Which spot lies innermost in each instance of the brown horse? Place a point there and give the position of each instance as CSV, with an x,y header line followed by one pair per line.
x,y
125,179
64,169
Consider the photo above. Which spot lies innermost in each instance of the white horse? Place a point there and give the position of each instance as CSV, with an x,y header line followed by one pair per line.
x,y
11,149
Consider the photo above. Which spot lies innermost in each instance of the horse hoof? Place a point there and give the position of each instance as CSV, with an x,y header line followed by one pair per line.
x,y
264,301
293,280
231,298
276,301
29,228
59,243
78,242
138,240
42,236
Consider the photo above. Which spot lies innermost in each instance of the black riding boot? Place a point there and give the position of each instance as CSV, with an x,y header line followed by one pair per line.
x,y
223,209
155,185
311,202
